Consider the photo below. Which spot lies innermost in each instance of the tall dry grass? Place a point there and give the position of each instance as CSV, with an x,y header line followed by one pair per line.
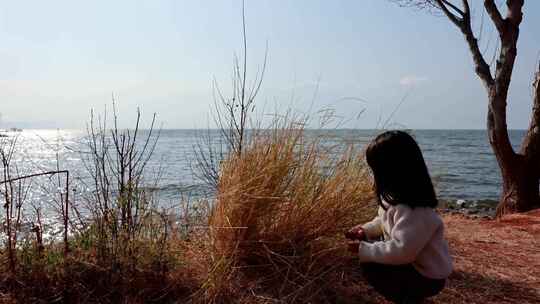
x,y
276,229
274,232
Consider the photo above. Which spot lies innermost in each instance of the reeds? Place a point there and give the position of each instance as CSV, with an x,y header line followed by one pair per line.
x,y
276,230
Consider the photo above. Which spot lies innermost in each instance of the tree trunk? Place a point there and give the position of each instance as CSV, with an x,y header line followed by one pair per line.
x,y
520,191
520,171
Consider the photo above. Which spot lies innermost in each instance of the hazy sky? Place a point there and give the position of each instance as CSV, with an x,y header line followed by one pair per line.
x,y
59,59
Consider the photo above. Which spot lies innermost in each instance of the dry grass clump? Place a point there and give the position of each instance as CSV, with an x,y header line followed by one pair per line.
x,y
276,230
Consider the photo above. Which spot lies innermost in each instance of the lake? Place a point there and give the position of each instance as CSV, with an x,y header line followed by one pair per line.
x,y
461,162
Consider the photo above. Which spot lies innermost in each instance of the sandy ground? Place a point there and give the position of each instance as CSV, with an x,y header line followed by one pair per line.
x,y
495,261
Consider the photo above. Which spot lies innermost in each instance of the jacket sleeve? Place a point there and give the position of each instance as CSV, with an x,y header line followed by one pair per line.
x,y
409,235
373,229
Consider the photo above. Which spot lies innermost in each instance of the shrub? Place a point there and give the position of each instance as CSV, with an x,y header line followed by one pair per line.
x,y
276,229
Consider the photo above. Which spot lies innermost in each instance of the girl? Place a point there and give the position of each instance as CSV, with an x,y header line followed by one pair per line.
x,y
402,251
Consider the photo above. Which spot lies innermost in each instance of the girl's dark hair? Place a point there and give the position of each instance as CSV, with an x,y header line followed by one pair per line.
x,y
399,170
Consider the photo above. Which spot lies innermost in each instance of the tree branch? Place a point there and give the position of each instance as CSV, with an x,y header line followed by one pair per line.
x,y
442,4
464,24
495,15
453,7
509,37
531,144
481,67
466,7
514,14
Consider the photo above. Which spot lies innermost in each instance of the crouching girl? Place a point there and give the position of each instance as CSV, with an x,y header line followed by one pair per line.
x,y
402,251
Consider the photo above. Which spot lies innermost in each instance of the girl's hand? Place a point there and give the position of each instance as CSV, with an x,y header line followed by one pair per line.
x,y
353,247
356,233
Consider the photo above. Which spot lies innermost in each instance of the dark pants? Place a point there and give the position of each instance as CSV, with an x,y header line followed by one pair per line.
x,y
401,283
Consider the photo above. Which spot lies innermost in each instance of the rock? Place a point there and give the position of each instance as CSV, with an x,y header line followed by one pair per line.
x,y
461,203
471,211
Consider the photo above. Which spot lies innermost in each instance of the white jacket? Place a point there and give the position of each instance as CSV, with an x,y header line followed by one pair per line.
x,y
410,236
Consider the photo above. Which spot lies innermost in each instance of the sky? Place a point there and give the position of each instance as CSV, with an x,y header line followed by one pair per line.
x,y
371,61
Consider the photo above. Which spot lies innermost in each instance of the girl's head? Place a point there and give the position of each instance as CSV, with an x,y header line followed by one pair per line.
x,y
399,170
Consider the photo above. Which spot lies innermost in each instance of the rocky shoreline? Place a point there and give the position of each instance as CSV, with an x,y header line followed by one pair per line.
x,y
484,209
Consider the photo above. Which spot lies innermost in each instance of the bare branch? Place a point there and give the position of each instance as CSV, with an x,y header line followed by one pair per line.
x,y
442,4
495,15
466,7
481,67
508,51
514,14
231,114
531,144
454,7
